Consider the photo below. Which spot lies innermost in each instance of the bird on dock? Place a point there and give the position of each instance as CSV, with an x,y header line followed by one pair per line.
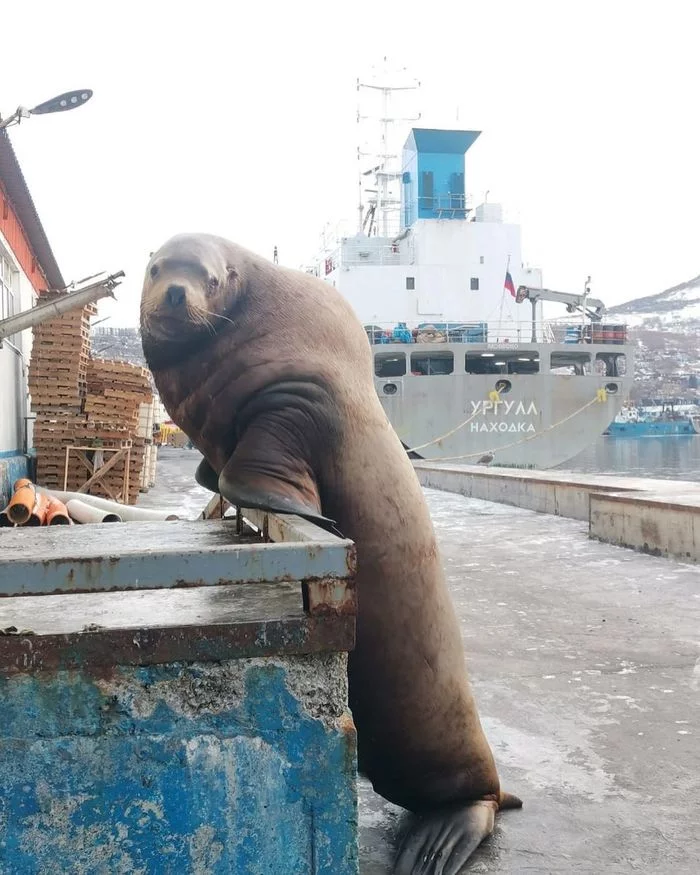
x,y
486,459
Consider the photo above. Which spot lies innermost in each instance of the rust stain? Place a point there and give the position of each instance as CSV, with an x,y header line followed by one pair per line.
x,y
330,596
102,650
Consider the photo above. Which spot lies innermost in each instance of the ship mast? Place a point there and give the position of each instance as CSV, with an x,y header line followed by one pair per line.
x,y
385,165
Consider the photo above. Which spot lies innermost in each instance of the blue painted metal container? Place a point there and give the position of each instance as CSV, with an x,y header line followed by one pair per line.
x,y
195,718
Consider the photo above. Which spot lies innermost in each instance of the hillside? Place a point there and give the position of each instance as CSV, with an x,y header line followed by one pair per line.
x,y
666,328
123,344
676,308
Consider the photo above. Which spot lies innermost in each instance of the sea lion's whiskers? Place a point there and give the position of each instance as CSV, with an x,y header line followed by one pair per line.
x,y
198,316
219,316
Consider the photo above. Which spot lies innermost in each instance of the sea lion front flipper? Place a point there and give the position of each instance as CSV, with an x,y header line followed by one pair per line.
x,y
206,476
263,473
441,843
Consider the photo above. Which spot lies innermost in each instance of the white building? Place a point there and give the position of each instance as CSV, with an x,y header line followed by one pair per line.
x,y
27,267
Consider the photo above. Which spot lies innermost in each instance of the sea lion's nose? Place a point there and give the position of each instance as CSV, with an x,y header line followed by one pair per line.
x,y
175,295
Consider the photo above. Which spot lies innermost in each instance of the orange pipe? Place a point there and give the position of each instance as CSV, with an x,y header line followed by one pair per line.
x,y
21,505
39,511
56,512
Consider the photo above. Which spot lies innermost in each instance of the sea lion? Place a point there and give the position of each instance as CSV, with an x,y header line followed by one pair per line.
x,y
269,373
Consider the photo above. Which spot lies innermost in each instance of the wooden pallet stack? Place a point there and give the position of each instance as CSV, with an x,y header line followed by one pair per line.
x,y
58,386
83,402
115,392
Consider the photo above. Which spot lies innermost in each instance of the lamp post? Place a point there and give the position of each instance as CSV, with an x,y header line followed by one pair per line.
x,y
62,103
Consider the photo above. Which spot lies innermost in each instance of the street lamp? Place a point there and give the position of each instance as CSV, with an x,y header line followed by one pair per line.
x,y
62,103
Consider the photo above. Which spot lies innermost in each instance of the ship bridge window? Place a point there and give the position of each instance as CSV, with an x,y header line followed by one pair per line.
x,y
523,361
570,363
610,364
390,364
432,363
410,283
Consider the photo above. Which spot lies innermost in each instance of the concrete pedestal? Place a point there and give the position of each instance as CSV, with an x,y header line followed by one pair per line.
x,y
192,727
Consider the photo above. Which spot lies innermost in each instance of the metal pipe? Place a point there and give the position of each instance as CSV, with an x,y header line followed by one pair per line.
x,y
127,512
86,513
51,309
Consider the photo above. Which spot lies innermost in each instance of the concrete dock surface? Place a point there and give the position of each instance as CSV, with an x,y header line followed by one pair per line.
x,y
659,517
585,662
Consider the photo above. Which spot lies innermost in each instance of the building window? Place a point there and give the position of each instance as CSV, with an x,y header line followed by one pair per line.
x,y
481,259
8,286
410,283
474,284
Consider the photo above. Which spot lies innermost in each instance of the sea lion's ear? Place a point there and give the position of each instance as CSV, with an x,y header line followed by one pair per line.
x,y
231,275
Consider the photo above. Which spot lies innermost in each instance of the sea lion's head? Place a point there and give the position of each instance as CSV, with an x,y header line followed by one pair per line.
x,y
190,289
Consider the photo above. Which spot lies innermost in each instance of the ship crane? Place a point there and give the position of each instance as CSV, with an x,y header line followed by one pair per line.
x,y
593,308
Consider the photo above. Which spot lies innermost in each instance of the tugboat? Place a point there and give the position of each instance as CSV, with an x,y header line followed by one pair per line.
x,y
635,422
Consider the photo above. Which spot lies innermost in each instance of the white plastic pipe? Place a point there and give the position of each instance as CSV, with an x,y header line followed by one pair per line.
x,y
127,512
86,513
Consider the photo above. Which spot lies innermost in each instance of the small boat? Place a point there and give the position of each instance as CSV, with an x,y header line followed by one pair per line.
x,y
638,422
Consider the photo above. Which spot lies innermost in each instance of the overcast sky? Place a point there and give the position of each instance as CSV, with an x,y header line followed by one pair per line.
x,y
239,119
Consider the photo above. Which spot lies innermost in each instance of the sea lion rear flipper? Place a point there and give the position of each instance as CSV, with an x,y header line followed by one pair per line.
x,y
205,475
443,841
263,474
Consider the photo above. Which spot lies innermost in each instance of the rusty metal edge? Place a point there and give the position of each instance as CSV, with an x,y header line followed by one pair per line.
x,y
100,651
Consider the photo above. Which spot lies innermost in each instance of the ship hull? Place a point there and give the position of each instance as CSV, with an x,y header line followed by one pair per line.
x,y
537,421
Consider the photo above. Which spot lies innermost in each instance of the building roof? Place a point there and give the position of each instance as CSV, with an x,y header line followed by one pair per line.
x,y
434,140
17,190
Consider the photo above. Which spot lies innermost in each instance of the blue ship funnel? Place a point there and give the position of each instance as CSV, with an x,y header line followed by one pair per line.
x,y
433,175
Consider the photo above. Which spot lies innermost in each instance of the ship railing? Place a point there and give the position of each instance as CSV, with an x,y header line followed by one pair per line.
x,y
446,204
367,252
547,332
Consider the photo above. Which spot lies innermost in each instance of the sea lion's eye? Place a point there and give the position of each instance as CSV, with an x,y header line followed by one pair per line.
x,y
154,270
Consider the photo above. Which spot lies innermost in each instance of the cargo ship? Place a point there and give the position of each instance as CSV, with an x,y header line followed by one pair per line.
x,y
466,366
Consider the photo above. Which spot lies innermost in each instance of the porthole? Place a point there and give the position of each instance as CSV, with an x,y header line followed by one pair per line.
x,y
611,388
503,387
389,388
